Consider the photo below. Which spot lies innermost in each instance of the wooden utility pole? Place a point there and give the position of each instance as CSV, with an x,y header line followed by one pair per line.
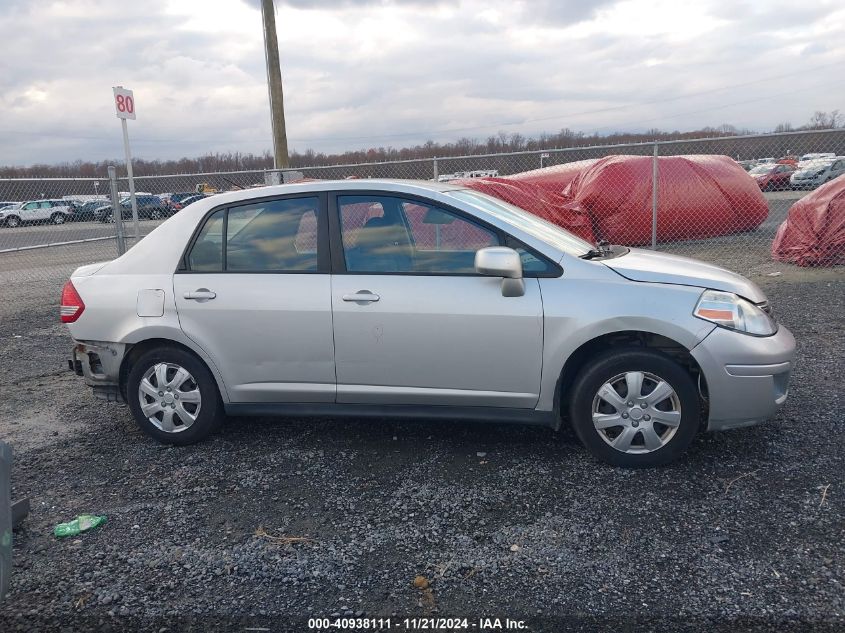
x,y
274,83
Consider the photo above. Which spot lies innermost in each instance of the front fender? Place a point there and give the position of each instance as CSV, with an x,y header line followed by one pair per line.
x,y
579,311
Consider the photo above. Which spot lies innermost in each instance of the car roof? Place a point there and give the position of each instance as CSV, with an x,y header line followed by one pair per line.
x,y
352,185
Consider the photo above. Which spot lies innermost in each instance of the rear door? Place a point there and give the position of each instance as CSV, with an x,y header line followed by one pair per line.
x,y
35,211
413,322
254,294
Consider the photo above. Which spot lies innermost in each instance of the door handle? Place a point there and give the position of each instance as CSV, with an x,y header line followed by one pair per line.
x,y
200,294
361,297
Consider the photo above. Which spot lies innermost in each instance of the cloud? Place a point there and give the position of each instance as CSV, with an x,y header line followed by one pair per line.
x,y
562,12
370,72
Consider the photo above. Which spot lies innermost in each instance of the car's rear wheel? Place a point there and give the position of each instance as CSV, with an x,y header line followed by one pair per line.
x,y
173,396
635,408
13,221
155,214
57,218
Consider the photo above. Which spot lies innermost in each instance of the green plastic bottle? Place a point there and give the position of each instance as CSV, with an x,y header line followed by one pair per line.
x,y
82,523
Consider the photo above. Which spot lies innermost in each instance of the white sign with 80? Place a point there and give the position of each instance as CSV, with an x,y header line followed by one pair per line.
x,y
124,103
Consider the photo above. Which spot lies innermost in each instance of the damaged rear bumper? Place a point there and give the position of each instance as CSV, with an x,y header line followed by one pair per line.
x,y
99,363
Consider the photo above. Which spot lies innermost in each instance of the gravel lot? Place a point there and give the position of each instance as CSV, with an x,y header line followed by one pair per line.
x,y
746,532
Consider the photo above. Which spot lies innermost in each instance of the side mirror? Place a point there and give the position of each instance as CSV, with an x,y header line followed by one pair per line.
x,y
501,261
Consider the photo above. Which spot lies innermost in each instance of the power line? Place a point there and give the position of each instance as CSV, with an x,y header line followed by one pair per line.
x,y
720,107
576,114
420,134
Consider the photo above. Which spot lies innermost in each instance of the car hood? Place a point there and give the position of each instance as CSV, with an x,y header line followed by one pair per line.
x,y
661,268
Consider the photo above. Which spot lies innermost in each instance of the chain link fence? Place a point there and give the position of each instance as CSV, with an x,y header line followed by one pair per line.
x,y
720,200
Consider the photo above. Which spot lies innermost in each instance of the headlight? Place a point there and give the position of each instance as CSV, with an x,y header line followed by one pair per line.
x,y
734,312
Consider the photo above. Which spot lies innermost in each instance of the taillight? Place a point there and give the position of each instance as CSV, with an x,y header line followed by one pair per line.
x,y
72,305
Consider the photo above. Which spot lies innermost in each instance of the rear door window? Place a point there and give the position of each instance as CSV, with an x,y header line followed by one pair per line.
x,y
269,236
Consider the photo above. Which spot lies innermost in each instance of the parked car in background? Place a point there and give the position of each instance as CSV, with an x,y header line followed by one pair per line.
x,y
763,161
817,172
478,173
149,206
421,299
772,176
41,211
816,156
75,206
3,205
86,210
174,199
178,206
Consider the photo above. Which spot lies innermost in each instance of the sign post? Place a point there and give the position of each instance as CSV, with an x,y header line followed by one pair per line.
x,y
124,105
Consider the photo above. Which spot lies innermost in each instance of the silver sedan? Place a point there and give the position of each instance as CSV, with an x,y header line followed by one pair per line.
x,y
409,299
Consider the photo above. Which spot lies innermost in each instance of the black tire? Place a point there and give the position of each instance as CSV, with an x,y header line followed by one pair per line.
x,y
57,218
210,414
13,221
155,214
107,217
612,363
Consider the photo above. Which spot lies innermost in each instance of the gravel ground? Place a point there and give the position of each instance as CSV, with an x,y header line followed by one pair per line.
x,y
745,532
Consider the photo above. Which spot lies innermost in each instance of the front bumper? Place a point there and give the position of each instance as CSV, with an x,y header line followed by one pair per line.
x,y
810,183
747,376
99,363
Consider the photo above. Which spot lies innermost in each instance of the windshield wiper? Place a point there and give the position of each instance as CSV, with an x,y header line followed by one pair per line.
x,y
604,249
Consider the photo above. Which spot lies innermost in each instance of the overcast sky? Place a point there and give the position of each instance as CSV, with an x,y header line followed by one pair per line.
x,y
361,73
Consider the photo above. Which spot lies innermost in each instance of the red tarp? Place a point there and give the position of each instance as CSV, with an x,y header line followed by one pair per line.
x,y
553,179
813,233
611,198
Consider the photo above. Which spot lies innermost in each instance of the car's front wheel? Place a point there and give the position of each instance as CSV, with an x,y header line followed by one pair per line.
x,y
173,396
13,221
635,408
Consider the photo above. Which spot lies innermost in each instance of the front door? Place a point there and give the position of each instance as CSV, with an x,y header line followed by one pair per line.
x,y
414,323
255,296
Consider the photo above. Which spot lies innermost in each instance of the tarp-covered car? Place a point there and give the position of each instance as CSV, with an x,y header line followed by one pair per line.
x,y
813,233
698,196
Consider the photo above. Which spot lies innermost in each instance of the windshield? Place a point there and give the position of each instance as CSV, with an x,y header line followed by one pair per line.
x,y
525,221
815,164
